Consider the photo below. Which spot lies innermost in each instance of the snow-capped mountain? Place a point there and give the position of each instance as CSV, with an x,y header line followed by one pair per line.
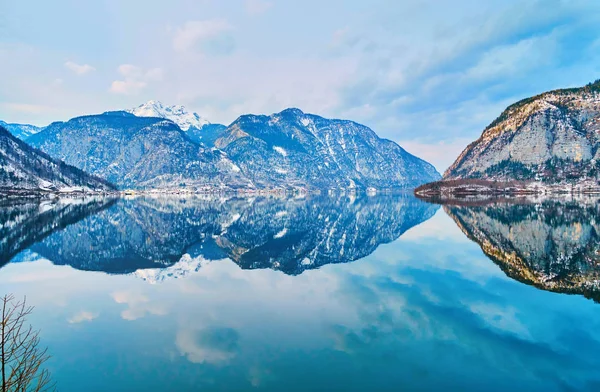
x,y
24,169
176,113
297,149
287,150
138,152
21,131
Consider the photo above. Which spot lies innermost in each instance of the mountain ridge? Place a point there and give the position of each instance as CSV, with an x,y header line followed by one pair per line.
x,y
137,152
21,131
285,150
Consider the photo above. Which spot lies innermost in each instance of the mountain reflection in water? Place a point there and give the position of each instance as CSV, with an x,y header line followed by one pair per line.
x,y
159,237
426,311
24,222
551,244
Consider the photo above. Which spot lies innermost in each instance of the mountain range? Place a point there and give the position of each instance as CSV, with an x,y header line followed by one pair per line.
x,y
546,143
167,148
138,152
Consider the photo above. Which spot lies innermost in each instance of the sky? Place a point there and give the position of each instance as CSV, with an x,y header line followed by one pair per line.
x,y
428,74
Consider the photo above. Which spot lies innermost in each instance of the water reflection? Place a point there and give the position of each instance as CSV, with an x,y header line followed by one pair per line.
x,y
551,244
163,237
26,221
427,311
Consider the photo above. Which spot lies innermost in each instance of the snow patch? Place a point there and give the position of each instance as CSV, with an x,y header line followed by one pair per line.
x,y
281,233
280,150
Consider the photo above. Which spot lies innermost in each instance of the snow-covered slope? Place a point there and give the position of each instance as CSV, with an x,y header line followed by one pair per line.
x,y
297,149
176,113
138,152
25,169
287,150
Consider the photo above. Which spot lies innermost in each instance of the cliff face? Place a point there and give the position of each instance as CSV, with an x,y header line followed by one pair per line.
x,y
547,141
554,245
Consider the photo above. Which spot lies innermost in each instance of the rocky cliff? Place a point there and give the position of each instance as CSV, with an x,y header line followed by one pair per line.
x,y
545,143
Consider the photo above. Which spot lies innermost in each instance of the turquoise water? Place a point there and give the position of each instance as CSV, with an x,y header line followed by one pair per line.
x,y
316,293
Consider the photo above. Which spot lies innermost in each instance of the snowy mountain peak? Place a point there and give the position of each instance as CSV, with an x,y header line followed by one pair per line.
x,y
176,113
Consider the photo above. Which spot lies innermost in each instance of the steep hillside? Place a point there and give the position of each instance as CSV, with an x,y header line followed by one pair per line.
x,y
545,143
24,170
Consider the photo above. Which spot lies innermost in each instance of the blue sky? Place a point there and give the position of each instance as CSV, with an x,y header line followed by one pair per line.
x,y
429,75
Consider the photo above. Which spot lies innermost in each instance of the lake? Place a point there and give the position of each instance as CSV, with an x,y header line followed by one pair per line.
x,y
337,293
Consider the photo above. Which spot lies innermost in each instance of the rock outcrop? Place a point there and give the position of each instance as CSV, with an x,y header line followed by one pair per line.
x,y
547,143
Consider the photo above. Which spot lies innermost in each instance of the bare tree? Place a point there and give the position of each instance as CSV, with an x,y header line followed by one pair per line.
x,y
20,353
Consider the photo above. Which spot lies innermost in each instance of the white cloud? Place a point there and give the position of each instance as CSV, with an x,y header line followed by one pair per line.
x,y
79,69
257,7
82,316
129,71
127,87
138,305
194,32
135,79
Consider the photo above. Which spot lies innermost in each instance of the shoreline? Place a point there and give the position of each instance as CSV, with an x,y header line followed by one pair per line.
x,y
475,187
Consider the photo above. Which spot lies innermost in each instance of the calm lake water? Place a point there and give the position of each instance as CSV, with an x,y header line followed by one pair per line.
x,y
309,293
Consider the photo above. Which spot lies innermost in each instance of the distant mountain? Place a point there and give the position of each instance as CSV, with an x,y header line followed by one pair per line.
x,y
21,131
554,245
288,150
160,238
549,142
24,169
176,113
138,152
196,127
304,150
